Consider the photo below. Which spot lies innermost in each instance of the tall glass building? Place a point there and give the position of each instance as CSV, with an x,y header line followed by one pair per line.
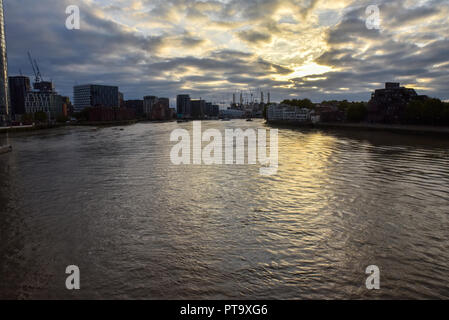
x,y
91,95
4,92
183,105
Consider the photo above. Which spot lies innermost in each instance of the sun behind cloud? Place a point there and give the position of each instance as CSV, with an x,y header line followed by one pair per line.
x,y
319,49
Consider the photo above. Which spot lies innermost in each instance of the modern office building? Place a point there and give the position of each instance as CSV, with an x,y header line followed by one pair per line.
x,y
44,86
50,103
148,103
161,111
19,86
45,99
215,110
4,91
212,110
286,113
183,105
198,108
165,102
91,95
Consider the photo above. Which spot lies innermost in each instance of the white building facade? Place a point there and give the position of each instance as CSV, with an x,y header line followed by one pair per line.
x,y
49,102
278,112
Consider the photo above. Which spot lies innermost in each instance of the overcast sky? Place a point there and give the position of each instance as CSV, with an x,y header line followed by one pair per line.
x,y
319,49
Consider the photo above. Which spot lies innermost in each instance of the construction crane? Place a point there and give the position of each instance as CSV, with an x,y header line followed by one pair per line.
x,y
37,72
32,65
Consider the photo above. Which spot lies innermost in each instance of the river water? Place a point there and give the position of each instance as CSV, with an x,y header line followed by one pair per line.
x,y
110,201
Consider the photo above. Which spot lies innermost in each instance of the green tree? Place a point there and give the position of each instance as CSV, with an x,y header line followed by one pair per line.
x,y
344,105
427,112
83,115
304,103
62,118
445,114
27,117
356,112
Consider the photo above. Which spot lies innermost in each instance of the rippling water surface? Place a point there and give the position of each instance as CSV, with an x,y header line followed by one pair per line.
x,y
111,202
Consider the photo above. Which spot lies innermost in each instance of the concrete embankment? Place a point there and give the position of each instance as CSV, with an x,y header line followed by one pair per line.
x,y
28,128
105,123
51,126
404,129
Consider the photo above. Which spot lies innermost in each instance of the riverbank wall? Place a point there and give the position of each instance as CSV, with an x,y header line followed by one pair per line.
x,y
29,128
403,129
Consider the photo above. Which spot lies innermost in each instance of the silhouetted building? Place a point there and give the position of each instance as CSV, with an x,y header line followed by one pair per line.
x,y
329,113
91,95
18,88
388,105
165,102
212,110
136,105
161,111
148,103
183,105
4,91
156,109
198,108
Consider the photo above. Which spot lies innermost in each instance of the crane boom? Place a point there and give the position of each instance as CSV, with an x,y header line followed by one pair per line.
x,y
32,65
38,70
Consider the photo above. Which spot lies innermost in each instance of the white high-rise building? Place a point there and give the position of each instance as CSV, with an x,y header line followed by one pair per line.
x,y
4,90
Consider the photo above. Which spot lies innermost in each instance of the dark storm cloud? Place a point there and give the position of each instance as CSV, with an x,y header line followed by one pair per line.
x,y
352,30
411,45
254,36
106,52
387,55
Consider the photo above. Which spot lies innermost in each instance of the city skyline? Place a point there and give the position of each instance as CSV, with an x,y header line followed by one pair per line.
x,y
223,155
315,49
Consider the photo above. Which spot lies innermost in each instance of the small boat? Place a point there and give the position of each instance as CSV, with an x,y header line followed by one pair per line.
x,y
226,119
5,149
249,120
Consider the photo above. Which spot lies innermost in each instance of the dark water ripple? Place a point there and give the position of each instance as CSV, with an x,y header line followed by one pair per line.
x,y
110,202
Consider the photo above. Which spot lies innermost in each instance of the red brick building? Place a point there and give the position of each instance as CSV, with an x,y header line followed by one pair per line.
x,y
103,114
